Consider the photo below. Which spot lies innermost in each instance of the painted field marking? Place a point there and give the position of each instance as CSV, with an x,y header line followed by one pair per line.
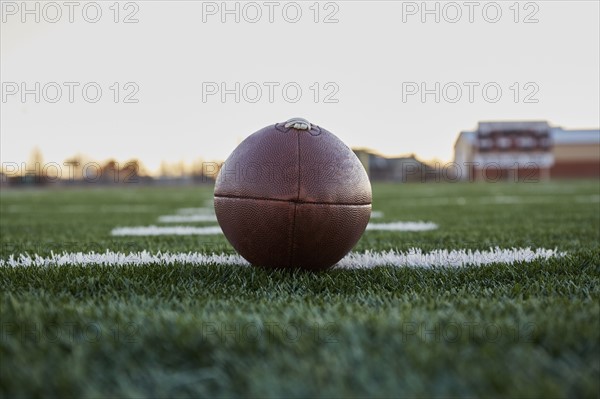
x,y
194,215
190,215
414,257
191,218
196,211
499,200
376,214
210,230
165,231
403,226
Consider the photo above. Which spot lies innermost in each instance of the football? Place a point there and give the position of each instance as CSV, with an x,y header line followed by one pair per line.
x,y
292,195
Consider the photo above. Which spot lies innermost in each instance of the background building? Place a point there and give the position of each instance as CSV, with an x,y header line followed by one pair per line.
x,y
522,150
406,168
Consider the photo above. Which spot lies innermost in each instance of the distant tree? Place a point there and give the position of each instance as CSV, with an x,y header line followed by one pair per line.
x,y
75,168
35,164
130,172
110,172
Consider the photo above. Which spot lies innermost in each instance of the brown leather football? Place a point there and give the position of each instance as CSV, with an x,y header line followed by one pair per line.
x,y
293,195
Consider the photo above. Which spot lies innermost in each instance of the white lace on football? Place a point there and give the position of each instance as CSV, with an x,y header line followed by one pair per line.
x,y
298,123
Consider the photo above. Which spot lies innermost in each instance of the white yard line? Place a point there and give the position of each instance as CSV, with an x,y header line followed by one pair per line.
x,y
403,226
165,230
210,230
196,211
411,258
587,199
415,257
433,201
499,200
376,214
191,218
193,215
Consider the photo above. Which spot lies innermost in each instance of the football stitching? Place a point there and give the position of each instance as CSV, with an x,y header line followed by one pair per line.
x,y
293,236
291,201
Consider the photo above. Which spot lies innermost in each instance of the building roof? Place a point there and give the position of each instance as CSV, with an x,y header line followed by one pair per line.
x,y
580,136
558,134
488,127
375,153
466,135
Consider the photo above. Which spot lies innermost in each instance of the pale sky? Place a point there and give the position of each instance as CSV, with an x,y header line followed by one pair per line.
x,y
375,53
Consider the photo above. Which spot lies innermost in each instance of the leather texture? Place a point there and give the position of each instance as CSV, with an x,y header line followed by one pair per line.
x,y
289,198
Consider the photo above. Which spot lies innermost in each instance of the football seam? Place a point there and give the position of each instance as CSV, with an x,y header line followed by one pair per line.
x,y
293,235
298,202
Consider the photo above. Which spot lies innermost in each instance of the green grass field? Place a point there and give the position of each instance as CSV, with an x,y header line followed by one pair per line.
x,y
525,329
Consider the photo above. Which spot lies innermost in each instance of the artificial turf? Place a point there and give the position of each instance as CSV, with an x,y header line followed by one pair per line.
x,y
518,330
